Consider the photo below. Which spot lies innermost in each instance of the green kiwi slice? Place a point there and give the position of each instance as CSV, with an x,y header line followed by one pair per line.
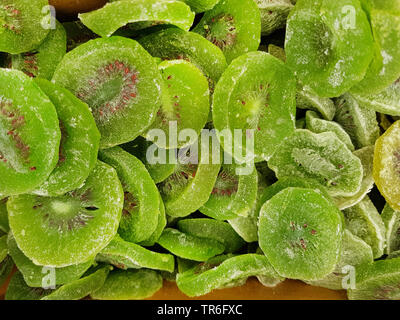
x,y
358,121
212,229
306,99
77,34
328,53
129,285
6,267
33,274
385,66
300,232
80,288
193,180
322,157
215,274
317,125
186,103
200,6
108,19
43,61
119,80
232,25
21,28
366,155
4,225
124,255
364,221
386,101
79,141
141,201
233,195
273,14
188,246
391,218
19,290
29,135
354,253
69,229
377,281
261,99
277,52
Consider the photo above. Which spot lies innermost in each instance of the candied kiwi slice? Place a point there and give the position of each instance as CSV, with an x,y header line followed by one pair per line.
x,y
108,19
141,197
29,134
387,165
234,194
322,157
19,290
34,274
300,232
327,52
199,6
129,285
306,99
273,14
79,145
69,229
260,102
186,103
232,25
4,225
391,218
77,34
119,81
377,281
21,25
42,61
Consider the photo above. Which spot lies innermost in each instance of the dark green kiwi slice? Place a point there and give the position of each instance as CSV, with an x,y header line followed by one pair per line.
x,y
108,19
33,274
4,226
79,141
69,229
232,25
141,201
233,195
212,229
273,14
260,102
19,290
300,232
29,134
43,61
21,28
129,285
125,255
186,104
329,51
77,34
119,81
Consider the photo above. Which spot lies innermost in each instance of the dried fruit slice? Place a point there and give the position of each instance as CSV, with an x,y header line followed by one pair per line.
x,y
119,80
6,268
317,125
305,99
129,285
43,61
19,290
69,229
77,34
391,218
301,232
212,274
358,121
260,102
108,19
233,195
322,157
21,25
141,206
188,246
354,253
212,229
364,221
385,66
34,275
377,281
329,45
79,141
232,25
124,255
29,134
273,14
186,103
4,226
199,6
387,165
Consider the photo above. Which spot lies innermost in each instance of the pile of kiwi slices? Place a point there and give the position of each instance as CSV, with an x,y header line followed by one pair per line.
x,y
202,142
